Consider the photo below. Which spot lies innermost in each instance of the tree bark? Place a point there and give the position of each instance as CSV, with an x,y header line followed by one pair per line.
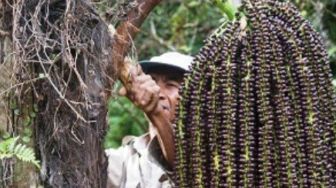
x,y
68,45
73,60
71,122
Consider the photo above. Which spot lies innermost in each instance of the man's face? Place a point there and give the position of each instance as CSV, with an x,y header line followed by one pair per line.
x,y
169,82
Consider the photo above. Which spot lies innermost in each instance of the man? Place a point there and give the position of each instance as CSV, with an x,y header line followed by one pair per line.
x,y
147,161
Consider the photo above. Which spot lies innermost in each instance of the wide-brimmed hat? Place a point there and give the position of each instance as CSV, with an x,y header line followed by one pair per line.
x,y
168,60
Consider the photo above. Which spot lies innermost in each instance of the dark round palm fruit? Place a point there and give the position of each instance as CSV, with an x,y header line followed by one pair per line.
x,y
258,107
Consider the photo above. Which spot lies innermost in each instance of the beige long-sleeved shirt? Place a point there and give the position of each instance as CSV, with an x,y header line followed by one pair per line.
x,y
139,163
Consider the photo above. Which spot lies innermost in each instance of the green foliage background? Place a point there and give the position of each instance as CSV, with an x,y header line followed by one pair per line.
x,y
124,119
183,26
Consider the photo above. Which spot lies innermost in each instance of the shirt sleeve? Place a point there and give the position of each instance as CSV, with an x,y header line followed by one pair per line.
x,y
156,155
116,165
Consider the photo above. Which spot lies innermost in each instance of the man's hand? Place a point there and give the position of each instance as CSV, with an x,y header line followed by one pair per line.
x,y
143,90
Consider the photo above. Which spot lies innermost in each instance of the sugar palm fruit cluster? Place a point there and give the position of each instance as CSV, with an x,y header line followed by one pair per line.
x,y
258,108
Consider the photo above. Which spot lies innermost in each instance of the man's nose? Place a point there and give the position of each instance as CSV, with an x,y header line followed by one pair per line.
x,y
162,95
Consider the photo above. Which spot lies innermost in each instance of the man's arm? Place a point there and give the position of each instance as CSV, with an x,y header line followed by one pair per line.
x,y
166,136
144,93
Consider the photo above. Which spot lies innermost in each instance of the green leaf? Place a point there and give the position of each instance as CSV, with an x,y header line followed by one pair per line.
x,y
35,107
32,114
27,121
17,112
9,148
8,144
26,154
194,4
26,139
6,135
5,155
227,8
27,132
